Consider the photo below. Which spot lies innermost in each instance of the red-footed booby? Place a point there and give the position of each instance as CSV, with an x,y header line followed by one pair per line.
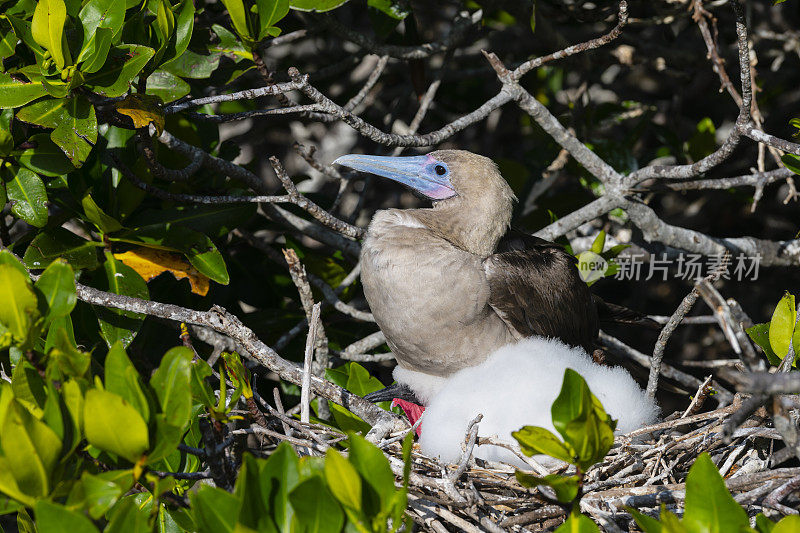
x,y
451,284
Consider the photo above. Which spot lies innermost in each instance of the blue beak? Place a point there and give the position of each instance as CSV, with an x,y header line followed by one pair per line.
x,y
423,173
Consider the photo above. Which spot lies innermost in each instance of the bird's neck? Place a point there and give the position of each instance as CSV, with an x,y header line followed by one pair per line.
x,y
474,232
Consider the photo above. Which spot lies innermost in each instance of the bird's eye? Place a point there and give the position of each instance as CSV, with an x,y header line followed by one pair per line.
x,y
440,170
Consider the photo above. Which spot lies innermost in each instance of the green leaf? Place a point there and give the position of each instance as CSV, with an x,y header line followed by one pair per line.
x,y
57,285
320,6
256,511
573,401
578,523
128,516
214,510
646,523
15,93
100,492
73,398
343,480
19,311
599,242
192,65
536,440
360,382
6,142
580,418
168,437
269,13
165,21
171,381
704,140
788,524
238,14
28,196
374,469
99,14
201,390
279,475
763,524
565,487
781,327
95,52
29,388
8,39
792,162
24,522
122,66
62,351
167,86
9,487
122,378
98,217
116,324
347,421
74,123
112,424
45,157
214,220
394,12
47,113
229,45
7,258
54,518
30,448
317,509
59,243
759,333
22,28
77,134
47,28
184,27
709,505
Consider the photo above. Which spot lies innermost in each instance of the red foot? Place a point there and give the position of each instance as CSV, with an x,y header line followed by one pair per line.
x,y
412,411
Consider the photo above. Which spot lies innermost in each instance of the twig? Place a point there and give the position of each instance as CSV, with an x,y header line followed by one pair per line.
x,y
666,332
699,398
298,274
620,348
248,94
774,498
313,209
576,48
305,388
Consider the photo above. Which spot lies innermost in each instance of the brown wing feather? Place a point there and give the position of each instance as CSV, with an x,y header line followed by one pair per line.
x,y
536,290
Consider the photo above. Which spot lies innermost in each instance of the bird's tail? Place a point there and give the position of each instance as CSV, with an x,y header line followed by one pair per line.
x,y
608,313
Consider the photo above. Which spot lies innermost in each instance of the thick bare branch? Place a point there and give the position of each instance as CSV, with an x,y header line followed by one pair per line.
x,y
223,322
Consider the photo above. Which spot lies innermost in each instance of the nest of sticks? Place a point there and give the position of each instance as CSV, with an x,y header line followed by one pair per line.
x,y
645,469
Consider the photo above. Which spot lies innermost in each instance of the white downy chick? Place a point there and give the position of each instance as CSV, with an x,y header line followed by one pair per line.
x,y
516,387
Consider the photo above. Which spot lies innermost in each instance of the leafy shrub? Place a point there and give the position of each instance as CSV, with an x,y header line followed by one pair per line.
x,y
588,433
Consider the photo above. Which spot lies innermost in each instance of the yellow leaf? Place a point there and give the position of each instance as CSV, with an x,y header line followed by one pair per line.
x,y
143,109
150,263
47,29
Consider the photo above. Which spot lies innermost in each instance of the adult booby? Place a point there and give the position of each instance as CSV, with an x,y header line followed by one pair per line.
x,y
451,284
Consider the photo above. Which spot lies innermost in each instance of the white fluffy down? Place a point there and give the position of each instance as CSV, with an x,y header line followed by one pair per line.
x,y
516,387
424,386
